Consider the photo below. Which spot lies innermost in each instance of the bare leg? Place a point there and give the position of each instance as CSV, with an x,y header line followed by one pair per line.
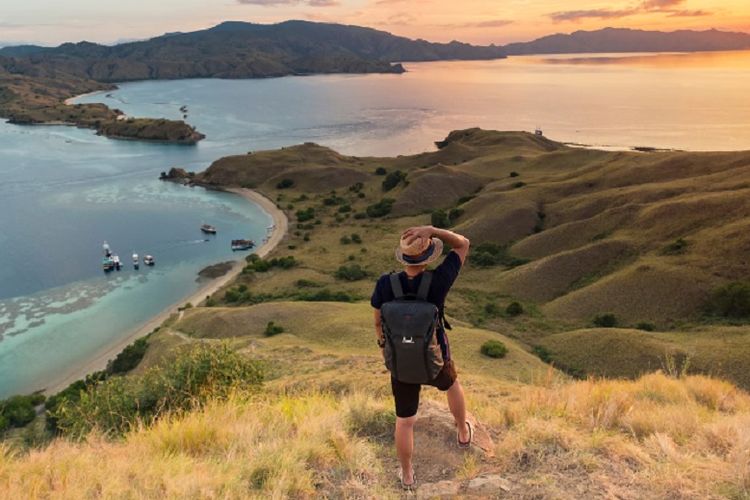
x,y
457,405
405,446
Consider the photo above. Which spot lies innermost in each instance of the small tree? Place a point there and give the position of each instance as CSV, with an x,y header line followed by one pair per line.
x,y
273,329
494,349
514,309
607,320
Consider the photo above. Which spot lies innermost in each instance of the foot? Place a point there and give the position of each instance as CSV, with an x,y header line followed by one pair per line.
x,y
408,479
465,435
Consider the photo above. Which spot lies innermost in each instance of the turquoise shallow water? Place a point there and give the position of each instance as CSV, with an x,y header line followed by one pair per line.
x,y
65,190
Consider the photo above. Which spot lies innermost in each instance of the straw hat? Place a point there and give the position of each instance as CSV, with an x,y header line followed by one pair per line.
x,y
420,251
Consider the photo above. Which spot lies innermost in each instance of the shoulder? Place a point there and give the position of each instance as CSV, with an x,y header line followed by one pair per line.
x,y
451,263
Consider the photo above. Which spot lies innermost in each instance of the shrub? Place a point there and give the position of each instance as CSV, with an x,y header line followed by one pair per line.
x,y
677,247
307,284
607,320
345,240
440,219
518,184
352,272
4,424
356,238
542,353
494,349
730,301
491,309
646,327
118,404
129,357
380,171
333,200
514,309
356,187
326,295
514,174
490,254
345,209
18,410
273,329
465,199
360,215
454,214
305,215
285,184
381,208
393,179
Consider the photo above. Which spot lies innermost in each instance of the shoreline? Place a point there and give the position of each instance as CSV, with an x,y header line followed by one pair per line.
x,y
69,100
99,362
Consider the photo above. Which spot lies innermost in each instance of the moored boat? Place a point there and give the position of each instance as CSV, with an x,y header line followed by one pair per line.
x,y
149,260
208,229
116,262
242,244
136,261
108,264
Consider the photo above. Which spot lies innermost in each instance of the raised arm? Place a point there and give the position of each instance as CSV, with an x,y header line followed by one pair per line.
x,y
458,243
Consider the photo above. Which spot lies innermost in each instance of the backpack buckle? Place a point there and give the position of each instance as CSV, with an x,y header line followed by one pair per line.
x,y
407,340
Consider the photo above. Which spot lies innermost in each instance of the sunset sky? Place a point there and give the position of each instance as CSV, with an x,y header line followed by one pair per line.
x,y
476,21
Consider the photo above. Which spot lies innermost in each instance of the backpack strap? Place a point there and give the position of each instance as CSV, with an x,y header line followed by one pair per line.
x,y
424,285
398,290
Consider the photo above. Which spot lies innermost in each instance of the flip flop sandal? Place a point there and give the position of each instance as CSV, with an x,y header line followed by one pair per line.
x,y
467,444
408,487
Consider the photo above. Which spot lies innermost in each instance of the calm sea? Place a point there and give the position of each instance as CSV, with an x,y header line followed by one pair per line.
x,y
65,191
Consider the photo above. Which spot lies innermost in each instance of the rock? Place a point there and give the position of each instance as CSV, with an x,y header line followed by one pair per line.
x,y
442,489
492,485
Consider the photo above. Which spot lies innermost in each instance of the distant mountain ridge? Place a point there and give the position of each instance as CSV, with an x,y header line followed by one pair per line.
x,y
630,40
244,50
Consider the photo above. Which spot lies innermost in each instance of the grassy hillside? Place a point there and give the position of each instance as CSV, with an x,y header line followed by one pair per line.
x,y
572,234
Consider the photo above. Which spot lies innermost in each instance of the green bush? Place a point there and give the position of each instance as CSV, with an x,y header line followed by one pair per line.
x,y
356,238
326,295
393,179
490,254
494,349
380,171
352,272
307,284
273,329
440,219
514,174
345,240
129,357
18,410
333,200
518,184
646,327
607,320
380,209
356,187
118,404
4,423
542,353
677,247
305,215
730,301
343,209
514,309
491,309
285,184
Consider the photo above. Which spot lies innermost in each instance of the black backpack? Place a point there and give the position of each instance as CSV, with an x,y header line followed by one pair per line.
x,y
412,352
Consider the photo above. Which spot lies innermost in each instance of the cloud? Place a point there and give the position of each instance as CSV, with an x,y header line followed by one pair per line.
x,y
669,7
494,23
577,15
274,3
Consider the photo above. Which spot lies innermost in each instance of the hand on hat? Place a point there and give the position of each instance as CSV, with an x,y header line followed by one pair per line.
x,y
417,232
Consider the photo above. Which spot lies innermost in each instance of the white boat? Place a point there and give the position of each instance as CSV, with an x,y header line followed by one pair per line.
x,y
149,260
105,248
136,261
116,262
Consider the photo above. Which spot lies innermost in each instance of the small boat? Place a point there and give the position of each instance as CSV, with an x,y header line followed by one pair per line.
x,y
136,261
538,132
106,250
208,229
116,262
108,264
149,260
242,244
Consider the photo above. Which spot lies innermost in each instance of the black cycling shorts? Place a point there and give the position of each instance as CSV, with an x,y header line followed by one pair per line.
x,y
407,395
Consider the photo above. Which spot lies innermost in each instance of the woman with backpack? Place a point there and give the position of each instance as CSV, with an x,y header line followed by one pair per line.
x,y
411,332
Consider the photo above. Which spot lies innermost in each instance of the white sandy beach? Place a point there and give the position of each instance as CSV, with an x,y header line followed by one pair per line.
x,y
99,362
